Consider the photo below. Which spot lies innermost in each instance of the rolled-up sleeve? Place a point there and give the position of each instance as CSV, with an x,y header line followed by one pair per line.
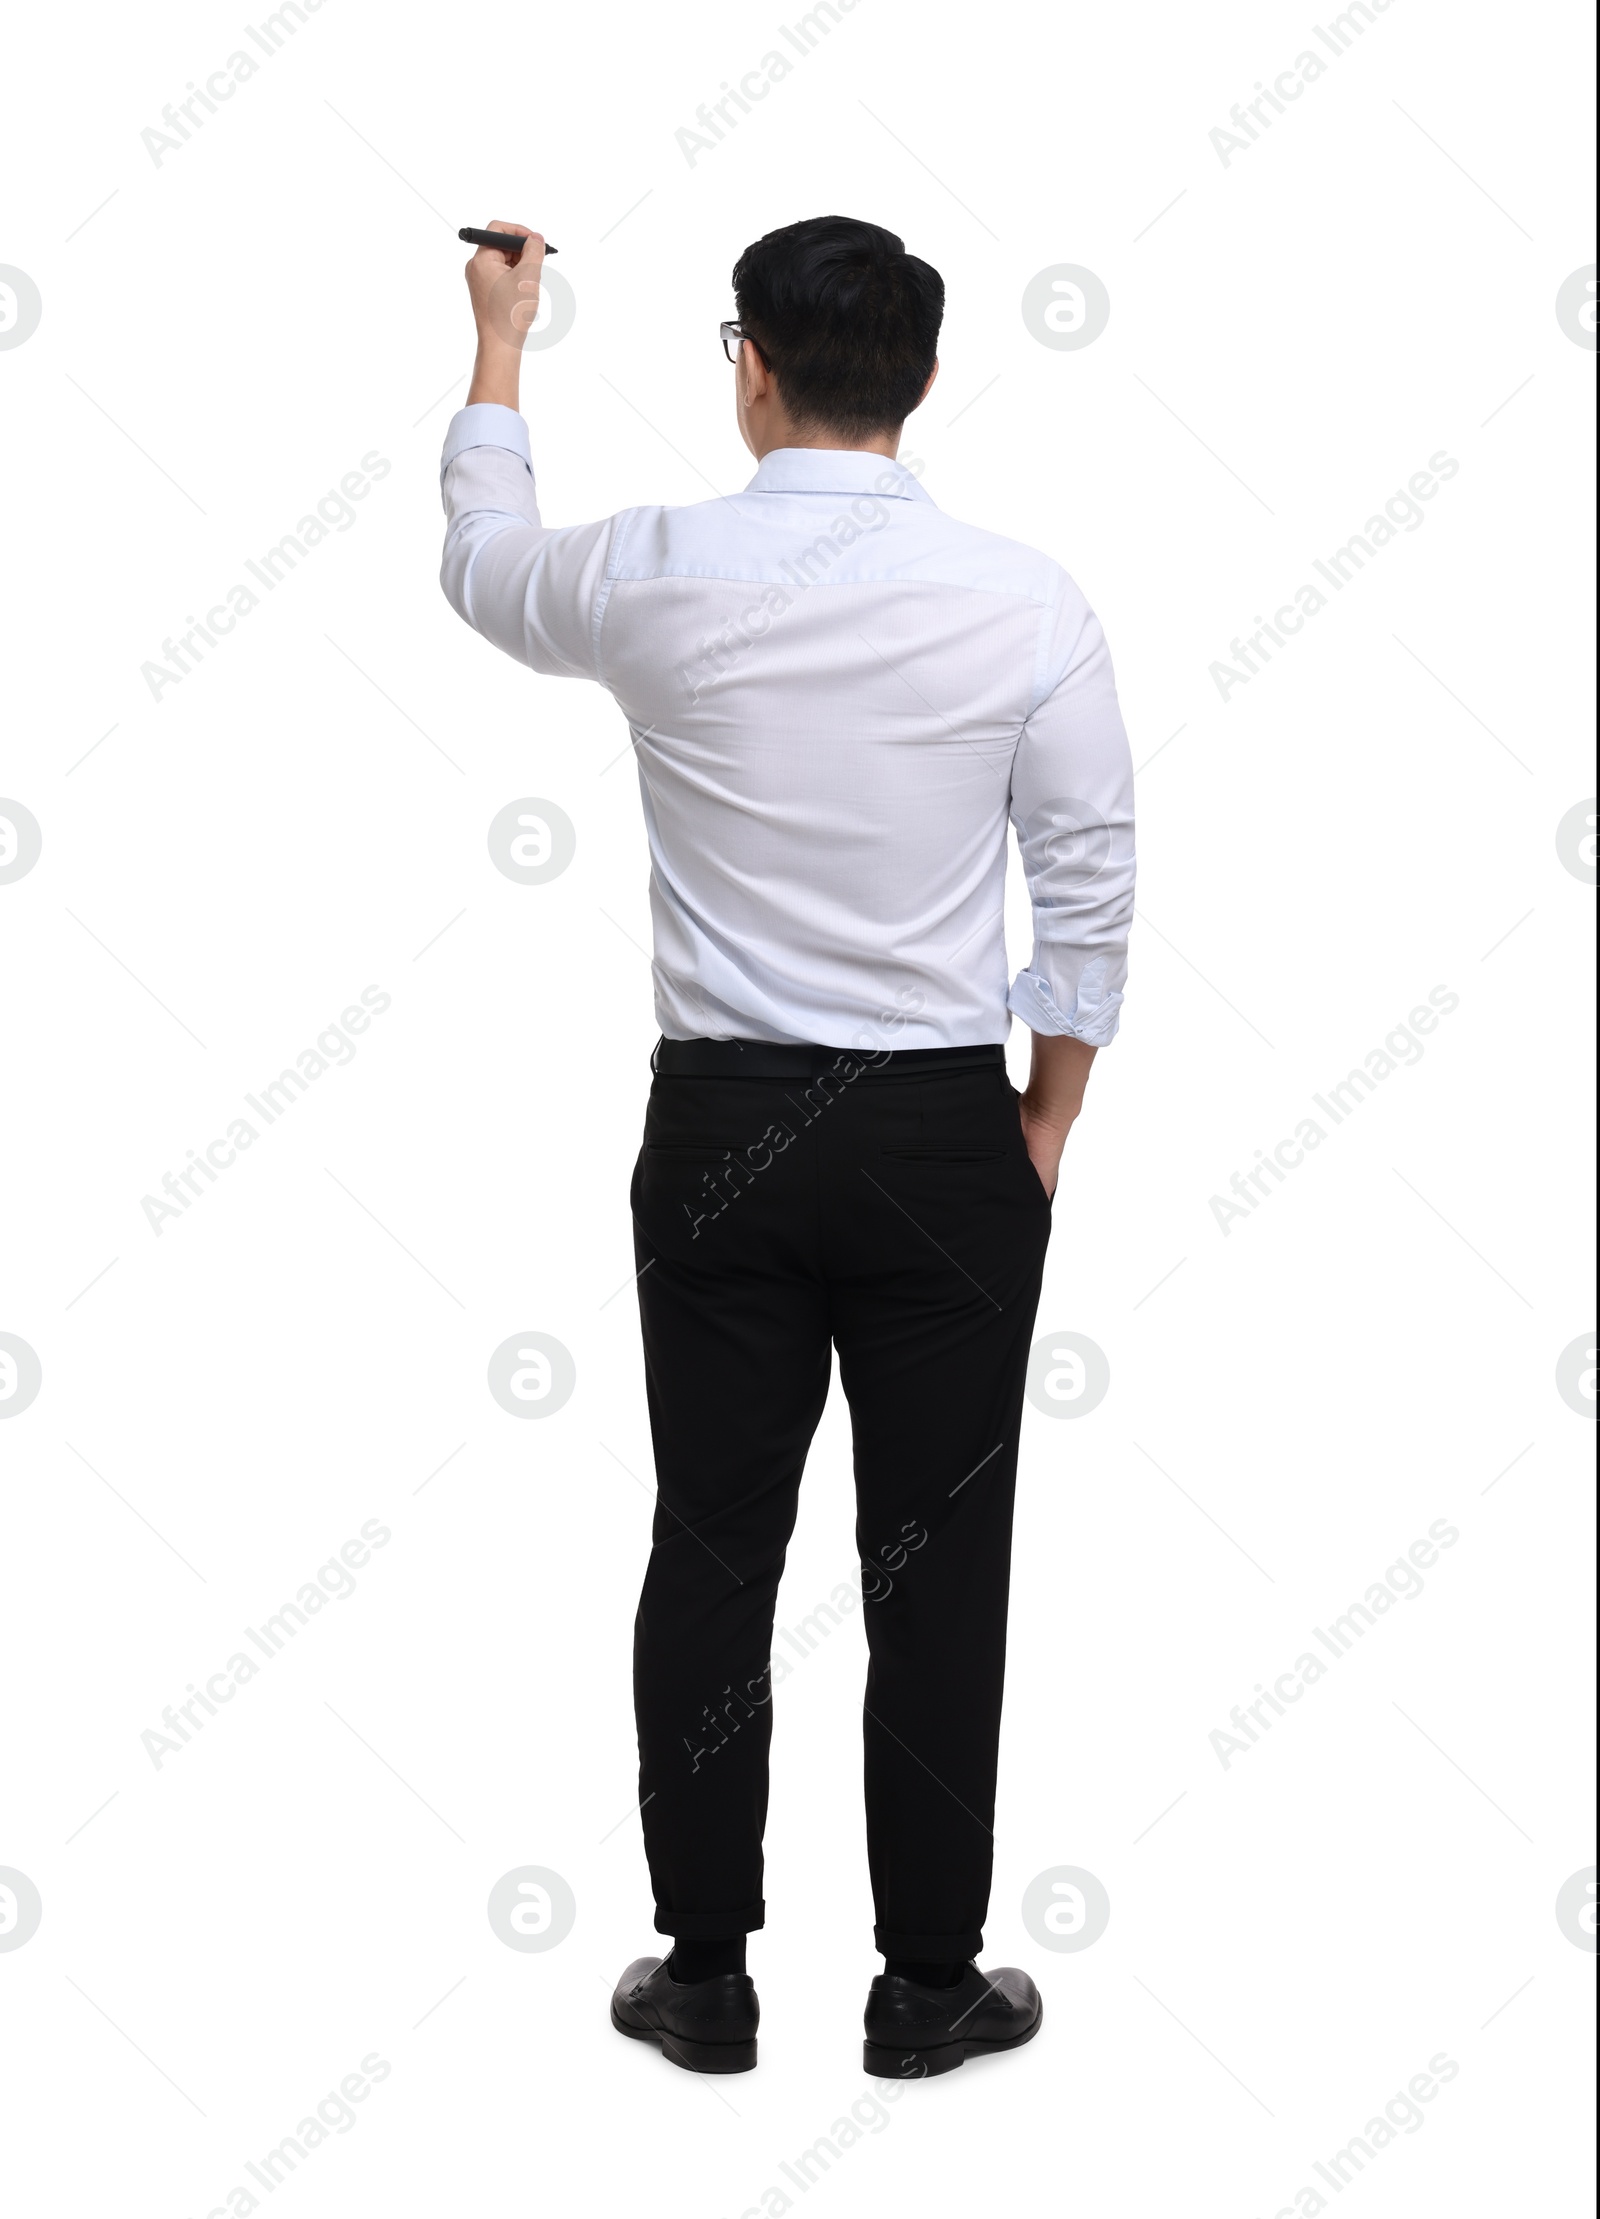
x,y
1072,806
538,594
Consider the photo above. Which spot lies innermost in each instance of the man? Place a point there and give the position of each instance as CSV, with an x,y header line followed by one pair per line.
x,y
838,698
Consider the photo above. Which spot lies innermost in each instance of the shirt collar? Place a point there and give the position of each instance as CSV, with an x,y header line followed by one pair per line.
x,y
835,470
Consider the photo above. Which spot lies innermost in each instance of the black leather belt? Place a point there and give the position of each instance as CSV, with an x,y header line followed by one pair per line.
x,y
784,1059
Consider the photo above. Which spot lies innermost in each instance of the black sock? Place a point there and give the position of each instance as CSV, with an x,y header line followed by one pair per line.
x,y
928,1976
705,1960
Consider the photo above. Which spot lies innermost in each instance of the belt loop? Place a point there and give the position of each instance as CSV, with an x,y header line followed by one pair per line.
x,y
655,1054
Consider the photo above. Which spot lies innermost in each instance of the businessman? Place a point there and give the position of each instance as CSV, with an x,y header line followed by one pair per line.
x,y
839,699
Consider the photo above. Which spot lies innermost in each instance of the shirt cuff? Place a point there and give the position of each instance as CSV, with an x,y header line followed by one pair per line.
x,y
1094,1019
486,424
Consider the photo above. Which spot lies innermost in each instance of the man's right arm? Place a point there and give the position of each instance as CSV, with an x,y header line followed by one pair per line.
x,y
533,592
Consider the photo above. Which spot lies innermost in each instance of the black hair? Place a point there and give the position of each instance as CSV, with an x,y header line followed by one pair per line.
x,y
845,319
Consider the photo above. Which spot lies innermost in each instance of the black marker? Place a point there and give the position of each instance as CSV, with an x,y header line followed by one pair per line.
x,y
504,240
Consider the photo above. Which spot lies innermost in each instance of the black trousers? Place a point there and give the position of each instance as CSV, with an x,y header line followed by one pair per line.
x,y
888,1209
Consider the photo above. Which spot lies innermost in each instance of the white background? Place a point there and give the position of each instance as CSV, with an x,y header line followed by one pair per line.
x,y
1292,335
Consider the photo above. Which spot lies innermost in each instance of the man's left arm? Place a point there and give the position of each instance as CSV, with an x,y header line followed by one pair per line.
x,y
1072,805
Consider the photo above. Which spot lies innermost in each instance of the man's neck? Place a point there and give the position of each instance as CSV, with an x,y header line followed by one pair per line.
x,y
875,443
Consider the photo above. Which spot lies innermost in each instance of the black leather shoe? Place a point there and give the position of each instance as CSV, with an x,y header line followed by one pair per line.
x,y
706,2026
914,2032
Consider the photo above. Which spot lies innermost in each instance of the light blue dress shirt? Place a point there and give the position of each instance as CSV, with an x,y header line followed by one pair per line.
x,y
839,699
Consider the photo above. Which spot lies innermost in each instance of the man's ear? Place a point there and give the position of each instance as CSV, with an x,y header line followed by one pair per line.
x,y
932,374
754,374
